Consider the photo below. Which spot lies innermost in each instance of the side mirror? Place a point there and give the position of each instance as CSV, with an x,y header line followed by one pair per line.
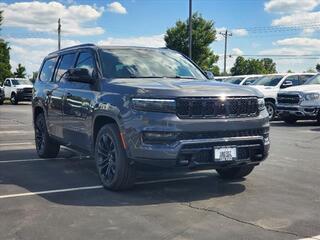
x,y
209,75
287,84
79,75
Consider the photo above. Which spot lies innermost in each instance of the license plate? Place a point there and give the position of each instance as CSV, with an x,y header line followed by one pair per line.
x,y
222,154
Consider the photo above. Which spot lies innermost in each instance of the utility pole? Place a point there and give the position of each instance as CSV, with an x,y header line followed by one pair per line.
x,y
225,34
59,34
190,29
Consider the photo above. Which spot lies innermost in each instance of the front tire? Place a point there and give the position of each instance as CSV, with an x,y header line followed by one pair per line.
x,y
46,147
235,172
271,108
114,168
14,99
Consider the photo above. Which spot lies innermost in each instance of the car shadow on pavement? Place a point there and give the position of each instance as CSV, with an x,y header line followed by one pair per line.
x,y
297,124
157,187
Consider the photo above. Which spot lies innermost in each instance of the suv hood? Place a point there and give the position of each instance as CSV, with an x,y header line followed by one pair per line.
x,y
23,86
303,88
184,87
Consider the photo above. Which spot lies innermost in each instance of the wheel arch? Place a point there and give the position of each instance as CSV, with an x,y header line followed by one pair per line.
x,y
98,122
268,99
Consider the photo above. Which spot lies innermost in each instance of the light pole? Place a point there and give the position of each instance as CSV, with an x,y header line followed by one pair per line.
x,y
190,29
59,34
225,34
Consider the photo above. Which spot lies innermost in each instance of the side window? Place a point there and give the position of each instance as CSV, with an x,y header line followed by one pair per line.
x,y
47,70
66,62
86,60
304,78
294,79
7,83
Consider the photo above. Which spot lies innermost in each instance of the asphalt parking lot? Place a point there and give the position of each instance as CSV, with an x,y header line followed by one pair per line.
x,y
62,198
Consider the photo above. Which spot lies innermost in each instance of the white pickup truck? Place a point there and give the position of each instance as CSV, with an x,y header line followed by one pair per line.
x,y
17,89
300,102
271,84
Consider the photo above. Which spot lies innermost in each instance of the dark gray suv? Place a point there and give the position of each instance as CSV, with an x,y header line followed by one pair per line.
x,y
130,106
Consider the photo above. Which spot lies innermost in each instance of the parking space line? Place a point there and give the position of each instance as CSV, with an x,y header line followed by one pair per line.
x,y
42,159
311,238
15,144
95,187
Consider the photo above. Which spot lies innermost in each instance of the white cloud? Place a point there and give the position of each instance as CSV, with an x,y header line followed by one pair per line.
x,y
145,41
299,42
240,32
116,7
42,17
297,19
38,48
290,6
294,46
237,51
40,42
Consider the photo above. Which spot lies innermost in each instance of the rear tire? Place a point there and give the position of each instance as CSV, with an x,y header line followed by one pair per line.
x,y
271,108
14,99
46,147
290,120
114,168
235,172
1,102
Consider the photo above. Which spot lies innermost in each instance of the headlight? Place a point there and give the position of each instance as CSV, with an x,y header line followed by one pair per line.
x,y
20,89
311,96
261,104
154,105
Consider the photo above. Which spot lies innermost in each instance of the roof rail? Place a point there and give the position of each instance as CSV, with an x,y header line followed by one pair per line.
x,y
75,46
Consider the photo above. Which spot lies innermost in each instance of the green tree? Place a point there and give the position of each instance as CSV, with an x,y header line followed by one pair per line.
x,y
5,67
20,71
244,66
318,67
203,34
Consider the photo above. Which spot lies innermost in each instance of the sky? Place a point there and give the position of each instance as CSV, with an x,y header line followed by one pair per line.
x,y
288,30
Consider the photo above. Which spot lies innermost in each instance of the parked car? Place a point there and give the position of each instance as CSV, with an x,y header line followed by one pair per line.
x,y
130,106
219,78
300,102
271,84
17,89
242,79
1,95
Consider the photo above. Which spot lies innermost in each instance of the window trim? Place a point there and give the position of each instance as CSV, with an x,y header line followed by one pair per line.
x,y
59,62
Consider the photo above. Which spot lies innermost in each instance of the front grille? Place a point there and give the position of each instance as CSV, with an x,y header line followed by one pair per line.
x,y
27,90
288,98
195,108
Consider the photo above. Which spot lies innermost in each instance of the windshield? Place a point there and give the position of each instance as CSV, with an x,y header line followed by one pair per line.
x,y
234,80
314,80
147,63
272,80
20,82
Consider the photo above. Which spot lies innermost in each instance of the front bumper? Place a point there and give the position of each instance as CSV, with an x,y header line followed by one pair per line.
x,y
196,148
303,112
22,96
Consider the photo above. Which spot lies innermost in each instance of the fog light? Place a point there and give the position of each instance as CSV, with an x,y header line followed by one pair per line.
x,y
159,137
